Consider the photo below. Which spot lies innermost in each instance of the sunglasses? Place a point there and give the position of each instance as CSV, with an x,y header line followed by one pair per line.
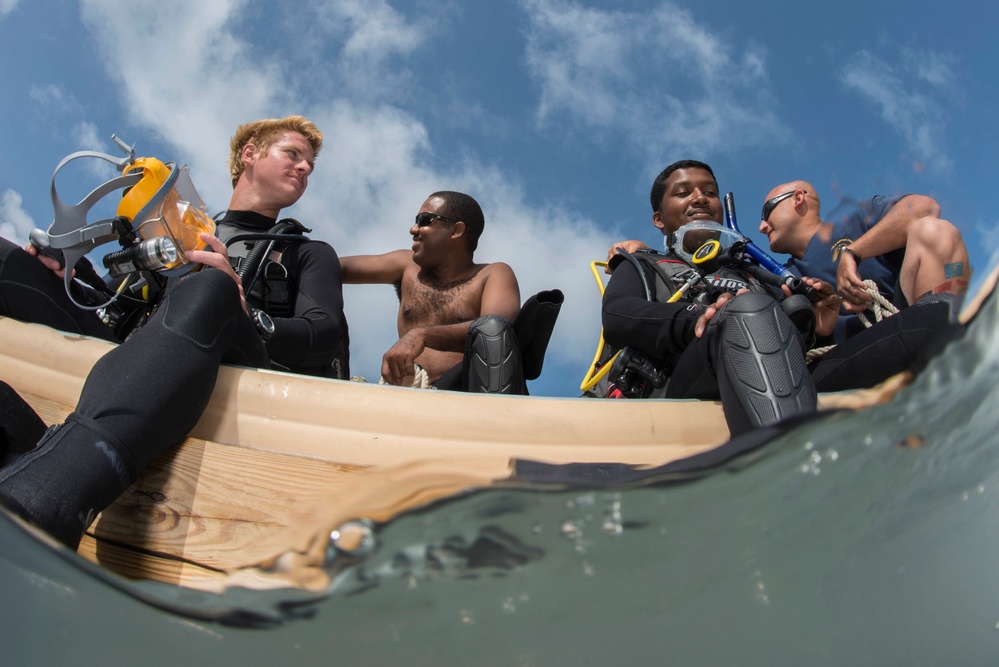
x,y
771,204
427,219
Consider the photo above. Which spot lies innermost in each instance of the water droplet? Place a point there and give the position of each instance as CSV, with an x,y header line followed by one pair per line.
x,y
572,529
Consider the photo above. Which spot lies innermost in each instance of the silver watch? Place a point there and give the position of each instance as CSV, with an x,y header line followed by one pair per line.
x,y
263,322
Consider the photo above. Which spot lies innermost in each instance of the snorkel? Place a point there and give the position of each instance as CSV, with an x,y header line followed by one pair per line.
x,y
159,219
753,250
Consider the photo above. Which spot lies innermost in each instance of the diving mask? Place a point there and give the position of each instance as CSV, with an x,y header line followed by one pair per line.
x,y
703,241
159,219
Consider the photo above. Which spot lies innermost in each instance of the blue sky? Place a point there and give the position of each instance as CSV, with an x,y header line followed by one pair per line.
x,y
556,115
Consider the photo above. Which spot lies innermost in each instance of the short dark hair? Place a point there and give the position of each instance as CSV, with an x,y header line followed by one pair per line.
x,y
659,185
462,207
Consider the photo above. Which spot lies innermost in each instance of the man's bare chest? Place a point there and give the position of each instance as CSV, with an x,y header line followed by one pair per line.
x,y
428,303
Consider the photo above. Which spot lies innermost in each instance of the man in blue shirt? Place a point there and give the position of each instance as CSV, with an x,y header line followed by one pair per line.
x,y
899,242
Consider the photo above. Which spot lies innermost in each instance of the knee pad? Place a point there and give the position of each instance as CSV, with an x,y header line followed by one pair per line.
x,y
492,357
758,358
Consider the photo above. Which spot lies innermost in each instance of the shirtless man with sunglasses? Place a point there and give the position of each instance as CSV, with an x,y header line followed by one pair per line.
x,y
445,297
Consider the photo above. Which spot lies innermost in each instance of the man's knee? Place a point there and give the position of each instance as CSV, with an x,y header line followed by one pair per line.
x,y
935,234
201,305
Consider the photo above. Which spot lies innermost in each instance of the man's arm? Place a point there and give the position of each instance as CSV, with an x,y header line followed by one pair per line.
x,y
889,233
657,330
311,335
500,296
375,269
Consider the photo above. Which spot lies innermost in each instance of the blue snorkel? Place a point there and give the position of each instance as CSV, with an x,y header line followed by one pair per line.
x,y
753,250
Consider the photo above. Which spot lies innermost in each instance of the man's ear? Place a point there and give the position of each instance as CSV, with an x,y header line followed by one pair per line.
x,y
458,230
249,154
657,220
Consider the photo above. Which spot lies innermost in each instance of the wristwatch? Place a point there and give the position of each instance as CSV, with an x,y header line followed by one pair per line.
x,y
263,322
856,256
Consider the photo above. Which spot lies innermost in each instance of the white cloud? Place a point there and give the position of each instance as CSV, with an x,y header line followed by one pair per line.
x,y
7,6
200,76
14,222
656,81
906,94
53,99
373,29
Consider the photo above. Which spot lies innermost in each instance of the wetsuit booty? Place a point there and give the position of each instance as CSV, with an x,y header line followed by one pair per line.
x,y
66,480
493,357
757,355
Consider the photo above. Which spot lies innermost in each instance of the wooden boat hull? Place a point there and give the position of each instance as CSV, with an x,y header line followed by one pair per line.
x,y
279,460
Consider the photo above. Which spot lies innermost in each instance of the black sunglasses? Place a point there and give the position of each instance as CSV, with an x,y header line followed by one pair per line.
x,y
771,204
426,219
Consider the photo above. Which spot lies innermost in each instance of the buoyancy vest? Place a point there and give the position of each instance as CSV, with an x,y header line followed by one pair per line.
x,y
671,272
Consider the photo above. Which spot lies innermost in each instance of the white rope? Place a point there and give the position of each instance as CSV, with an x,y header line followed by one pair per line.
x,y
881,308
421,379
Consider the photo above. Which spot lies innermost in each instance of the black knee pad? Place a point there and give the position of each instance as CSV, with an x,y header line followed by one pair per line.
x,y
492,357
760,363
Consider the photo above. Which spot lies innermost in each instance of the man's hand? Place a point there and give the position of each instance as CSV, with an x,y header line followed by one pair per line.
x,y
218,259
826,307
850,285
49,263
398,362
702,321
627,246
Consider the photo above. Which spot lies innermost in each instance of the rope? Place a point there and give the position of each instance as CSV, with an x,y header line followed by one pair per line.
x,y
421,379
881,308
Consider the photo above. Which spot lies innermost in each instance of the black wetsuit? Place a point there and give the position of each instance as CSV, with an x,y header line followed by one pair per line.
x,y
147,393
310,330
664,332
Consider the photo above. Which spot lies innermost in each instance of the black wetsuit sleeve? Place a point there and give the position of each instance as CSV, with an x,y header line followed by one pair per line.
x,y
311,337
657,330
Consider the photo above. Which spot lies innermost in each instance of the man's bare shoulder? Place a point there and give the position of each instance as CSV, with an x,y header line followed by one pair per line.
x,y
500,271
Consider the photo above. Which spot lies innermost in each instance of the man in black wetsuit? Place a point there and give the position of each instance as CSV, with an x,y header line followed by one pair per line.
x,y
146,394
728,336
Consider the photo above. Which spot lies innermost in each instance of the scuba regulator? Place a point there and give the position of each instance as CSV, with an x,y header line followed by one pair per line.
x,y
159,219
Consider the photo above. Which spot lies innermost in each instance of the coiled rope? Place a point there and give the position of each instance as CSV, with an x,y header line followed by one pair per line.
x,y
881,308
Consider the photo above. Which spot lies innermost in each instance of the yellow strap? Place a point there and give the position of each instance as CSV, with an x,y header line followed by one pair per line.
x,y
593,376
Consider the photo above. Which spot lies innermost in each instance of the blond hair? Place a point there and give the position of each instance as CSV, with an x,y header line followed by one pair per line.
x,y
263,133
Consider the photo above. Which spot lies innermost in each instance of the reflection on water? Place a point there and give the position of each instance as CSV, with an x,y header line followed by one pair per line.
x,y
856,538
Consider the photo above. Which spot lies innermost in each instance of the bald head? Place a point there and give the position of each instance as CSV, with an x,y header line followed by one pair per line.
x,y
792,186
790,217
